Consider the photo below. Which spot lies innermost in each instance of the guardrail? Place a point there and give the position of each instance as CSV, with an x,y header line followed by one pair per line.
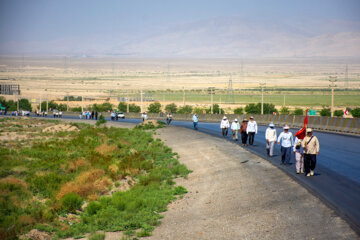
x,y
334,124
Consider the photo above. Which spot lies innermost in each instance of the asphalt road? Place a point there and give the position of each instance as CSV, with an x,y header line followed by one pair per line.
x,y
337,174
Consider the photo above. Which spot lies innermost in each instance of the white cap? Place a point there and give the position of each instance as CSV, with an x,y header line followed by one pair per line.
x,y
286,127
271,125
308,130
224,117
235,119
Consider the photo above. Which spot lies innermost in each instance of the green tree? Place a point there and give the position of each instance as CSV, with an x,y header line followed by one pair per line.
x,y
253,108
104,107
298,111
187,109
198,110
355,112
24,104
284,111
238,110
62,107
171,108
154,107
11,105
134,108
76,109
325,112
51,105
338,113
216,109
122,107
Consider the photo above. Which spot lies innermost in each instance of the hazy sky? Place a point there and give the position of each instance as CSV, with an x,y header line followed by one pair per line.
x,y
26,25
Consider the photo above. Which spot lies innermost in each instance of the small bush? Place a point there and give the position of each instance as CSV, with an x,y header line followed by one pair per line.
x,y
101,120
338,113
154,107
187,109
180,190
93,207
171,108
325,112
298,112
355,112
71,202
238,110
284,111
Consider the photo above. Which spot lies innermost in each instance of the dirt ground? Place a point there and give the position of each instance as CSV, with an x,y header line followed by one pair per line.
x,y
234,194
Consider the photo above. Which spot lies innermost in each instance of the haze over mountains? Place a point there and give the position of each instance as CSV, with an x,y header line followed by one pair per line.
x,y
235,36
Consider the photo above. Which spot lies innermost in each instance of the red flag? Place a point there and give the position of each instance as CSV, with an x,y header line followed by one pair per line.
x,y
302,132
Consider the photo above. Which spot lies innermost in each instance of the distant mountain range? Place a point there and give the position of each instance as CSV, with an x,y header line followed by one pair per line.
x,y
217,37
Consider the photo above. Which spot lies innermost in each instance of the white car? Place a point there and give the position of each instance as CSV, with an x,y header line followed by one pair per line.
x,y
121,115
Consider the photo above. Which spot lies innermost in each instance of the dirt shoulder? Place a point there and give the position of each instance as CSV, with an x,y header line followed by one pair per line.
x,y
234,194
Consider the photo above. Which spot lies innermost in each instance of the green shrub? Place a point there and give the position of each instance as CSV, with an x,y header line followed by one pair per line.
x,y
101,120
298,112
122,107
338,113
253,108
134,108
93,207
355,112
325,112
104,107
76,109
284,111
71,202
180,190
238,110
171,108
187,109
154,107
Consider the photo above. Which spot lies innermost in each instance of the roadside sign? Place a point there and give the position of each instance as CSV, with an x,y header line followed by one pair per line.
x,y
312,112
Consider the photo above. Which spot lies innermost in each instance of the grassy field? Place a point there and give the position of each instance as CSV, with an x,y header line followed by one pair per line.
x,y
316,99
72,179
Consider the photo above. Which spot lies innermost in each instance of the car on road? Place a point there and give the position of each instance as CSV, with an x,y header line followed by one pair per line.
x,y
121,115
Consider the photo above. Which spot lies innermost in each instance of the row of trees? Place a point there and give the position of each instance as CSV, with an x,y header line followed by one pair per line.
x,y
156,107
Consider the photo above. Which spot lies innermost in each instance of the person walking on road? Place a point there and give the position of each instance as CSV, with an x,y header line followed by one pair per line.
x,y
251,130
195,119
311,149
169,118
235,127
243,133
224,125
299,155
270,136
286,140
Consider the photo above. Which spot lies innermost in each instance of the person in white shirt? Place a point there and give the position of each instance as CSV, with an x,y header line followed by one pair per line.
x,y
251,130
195,119
270,136
286,140
224,125
235,127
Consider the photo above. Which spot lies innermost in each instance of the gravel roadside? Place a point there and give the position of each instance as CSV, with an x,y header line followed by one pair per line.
x,y
234,194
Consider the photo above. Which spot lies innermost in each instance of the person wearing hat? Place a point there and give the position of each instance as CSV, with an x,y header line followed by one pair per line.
x,y
286,140
224,125
195,119
270,136
243,133
299,155
251,130
235,127
311,149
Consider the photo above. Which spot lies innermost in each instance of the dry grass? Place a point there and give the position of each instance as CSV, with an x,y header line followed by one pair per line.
x,y
76,164
89,183
105,149
14,181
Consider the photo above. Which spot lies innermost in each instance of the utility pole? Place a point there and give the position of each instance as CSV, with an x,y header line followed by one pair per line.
x,y
67,103
284,100
262,85
346,77
82,100
211,91
47,103
141,100
332,85
40,102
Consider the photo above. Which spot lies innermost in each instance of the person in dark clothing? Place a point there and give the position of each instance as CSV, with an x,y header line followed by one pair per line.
x,y
244,135
96,115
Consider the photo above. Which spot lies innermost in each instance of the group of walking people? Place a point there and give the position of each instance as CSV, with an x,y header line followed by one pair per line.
x,y
247,129
305,149
89,115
